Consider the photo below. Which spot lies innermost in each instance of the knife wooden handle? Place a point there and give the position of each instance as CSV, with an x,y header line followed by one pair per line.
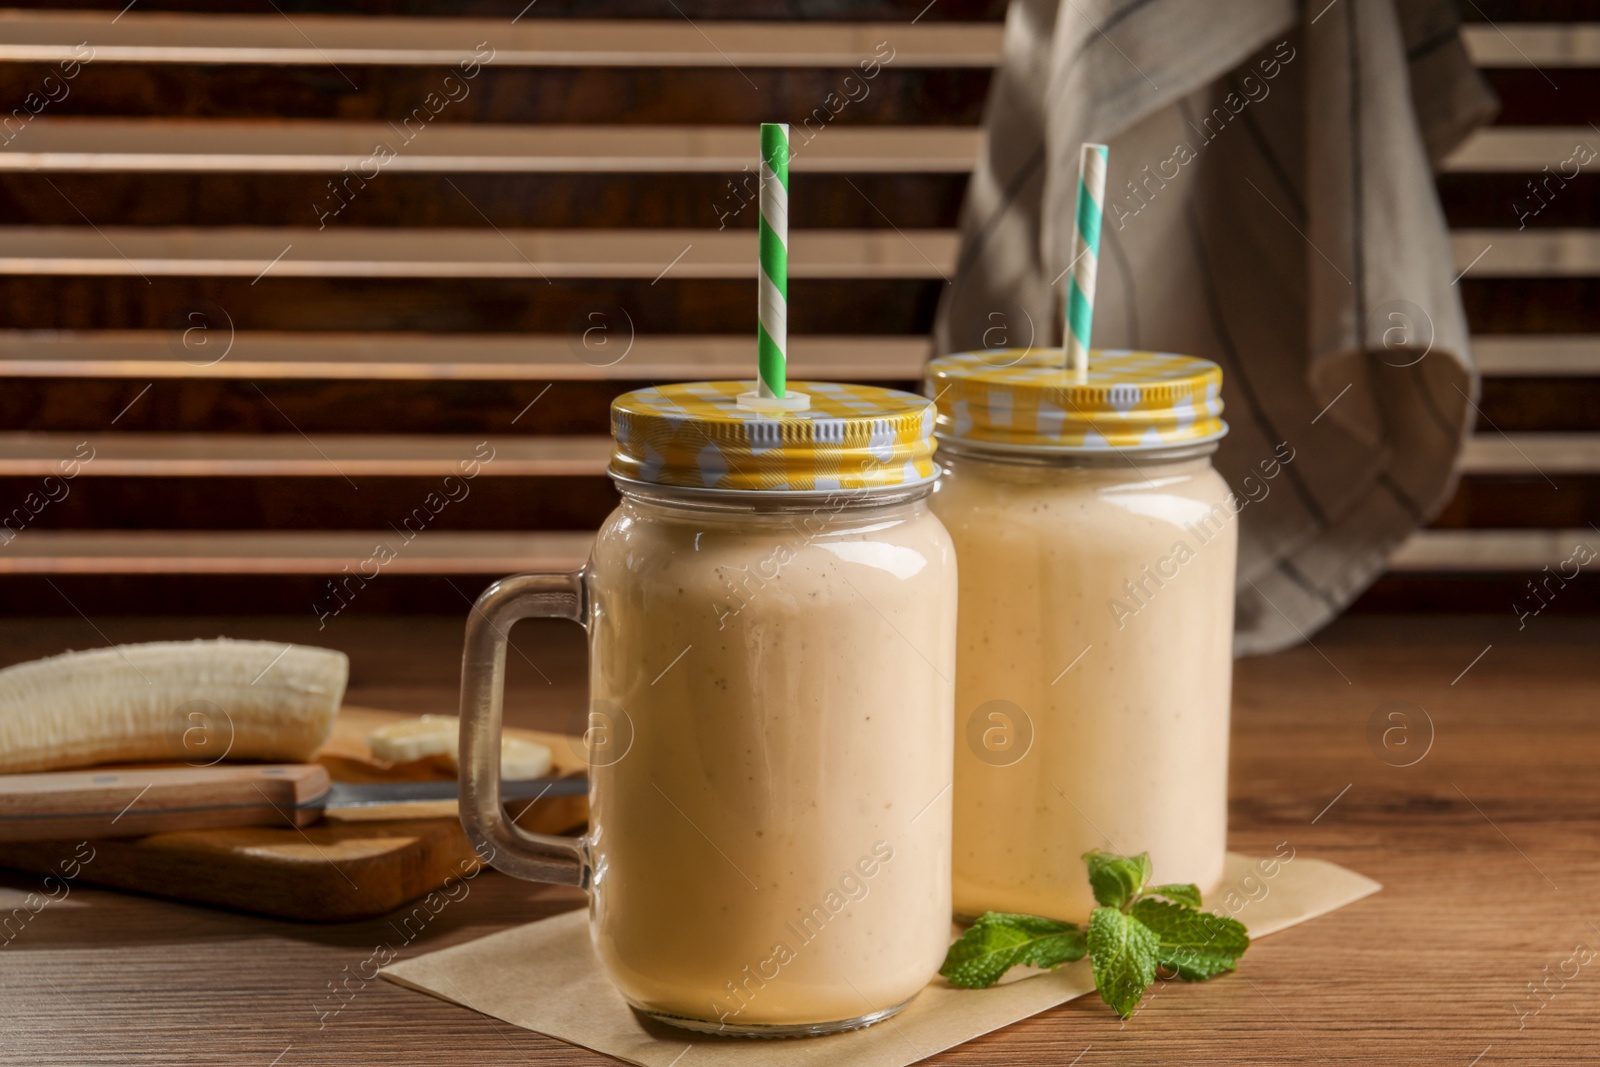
x,y
132,802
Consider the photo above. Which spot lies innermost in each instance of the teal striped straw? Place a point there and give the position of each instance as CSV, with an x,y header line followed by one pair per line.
x,y
772,327
1085,255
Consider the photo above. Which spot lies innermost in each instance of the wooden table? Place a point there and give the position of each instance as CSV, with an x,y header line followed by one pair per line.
x,y
1488,848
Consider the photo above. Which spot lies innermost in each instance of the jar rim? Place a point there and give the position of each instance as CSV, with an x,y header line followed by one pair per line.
x,y
1055,456
775,500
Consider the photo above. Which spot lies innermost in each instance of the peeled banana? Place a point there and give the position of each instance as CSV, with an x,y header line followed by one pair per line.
x,y
191,701
436,736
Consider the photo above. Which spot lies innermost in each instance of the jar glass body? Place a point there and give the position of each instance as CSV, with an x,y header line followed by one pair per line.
x,y
1094,666
771,853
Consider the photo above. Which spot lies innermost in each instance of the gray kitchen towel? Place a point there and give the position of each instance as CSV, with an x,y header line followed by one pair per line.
x,y
1270,206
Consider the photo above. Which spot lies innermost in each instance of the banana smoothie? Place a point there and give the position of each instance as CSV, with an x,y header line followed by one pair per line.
x,y
775,846
771,615
1097,552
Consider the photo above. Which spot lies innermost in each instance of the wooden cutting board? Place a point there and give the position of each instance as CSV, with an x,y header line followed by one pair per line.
x,y
348,866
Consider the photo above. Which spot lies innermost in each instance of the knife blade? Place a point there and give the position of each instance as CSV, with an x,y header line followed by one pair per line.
x,y
137,801
382,794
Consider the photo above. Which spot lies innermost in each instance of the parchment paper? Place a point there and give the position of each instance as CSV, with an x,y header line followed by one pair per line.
x,y
545,977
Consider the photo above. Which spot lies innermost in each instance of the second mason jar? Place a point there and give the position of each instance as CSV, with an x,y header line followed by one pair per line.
x,y
1097,552
771,613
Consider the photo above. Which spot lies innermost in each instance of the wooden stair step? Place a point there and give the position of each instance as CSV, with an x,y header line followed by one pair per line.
x,y
1544,253
171,145
255,252
51,552
220,145
1575,44
289,552
1507,14
1491,550
194,38
1532,355
210,350
1533,454
1522,150
417,455
142,455
293,252
551,11
140,37
85,144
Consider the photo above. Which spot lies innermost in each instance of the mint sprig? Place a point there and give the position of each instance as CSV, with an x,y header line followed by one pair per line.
x,y
1134,932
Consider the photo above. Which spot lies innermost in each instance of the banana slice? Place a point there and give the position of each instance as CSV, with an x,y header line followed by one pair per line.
x,y
436,736
194,701
414,739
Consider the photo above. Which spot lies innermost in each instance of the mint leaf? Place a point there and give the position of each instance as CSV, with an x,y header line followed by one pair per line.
x,y
1195,944
1123,952
1116,879
1183,894
999,941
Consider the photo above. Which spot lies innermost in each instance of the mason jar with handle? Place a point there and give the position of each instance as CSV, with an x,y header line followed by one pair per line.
x,y
771,621
1097,550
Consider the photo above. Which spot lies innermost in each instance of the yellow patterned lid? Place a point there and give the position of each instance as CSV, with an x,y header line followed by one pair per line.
x,y
697,434
1127,401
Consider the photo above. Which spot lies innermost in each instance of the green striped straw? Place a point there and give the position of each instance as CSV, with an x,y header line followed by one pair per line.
x,y
772,328
1085,255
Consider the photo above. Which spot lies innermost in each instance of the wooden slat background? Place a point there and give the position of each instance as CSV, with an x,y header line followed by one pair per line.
x,y
268,384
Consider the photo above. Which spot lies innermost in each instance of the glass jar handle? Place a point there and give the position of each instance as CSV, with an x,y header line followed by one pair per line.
x,y
500,841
